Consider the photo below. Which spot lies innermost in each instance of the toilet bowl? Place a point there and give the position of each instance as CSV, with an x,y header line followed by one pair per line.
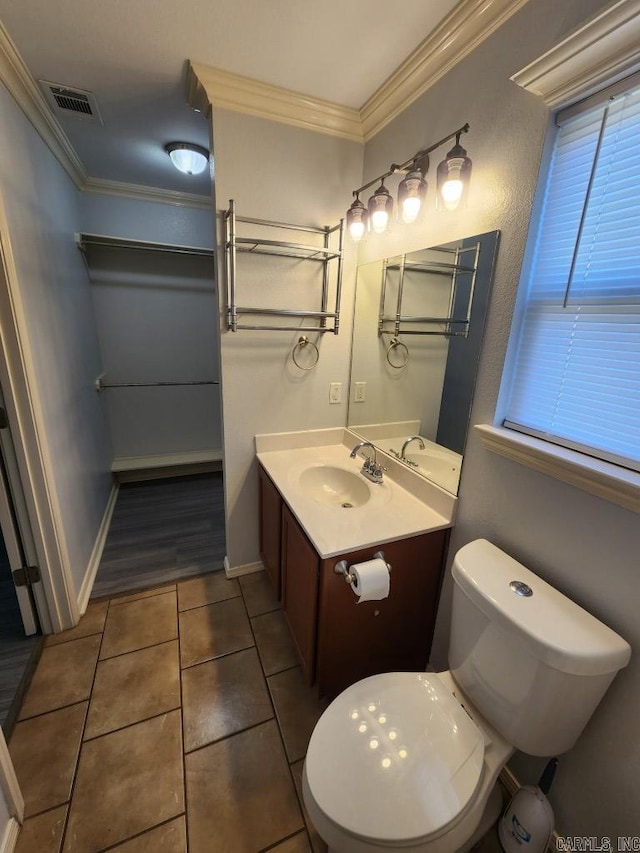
x,y
409,761
399,762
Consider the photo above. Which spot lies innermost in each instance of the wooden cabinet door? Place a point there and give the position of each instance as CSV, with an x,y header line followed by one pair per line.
x,y
356,640
270,529
300,570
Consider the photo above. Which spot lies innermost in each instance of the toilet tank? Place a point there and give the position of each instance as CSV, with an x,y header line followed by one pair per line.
x,y
536,664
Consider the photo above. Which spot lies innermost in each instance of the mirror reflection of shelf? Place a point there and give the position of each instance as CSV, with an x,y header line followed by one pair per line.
x,y
460,275
327,320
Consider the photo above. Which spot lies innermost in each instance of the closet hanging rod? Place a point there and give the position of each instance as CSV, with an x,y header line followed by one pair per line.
x,y
84,240
100,384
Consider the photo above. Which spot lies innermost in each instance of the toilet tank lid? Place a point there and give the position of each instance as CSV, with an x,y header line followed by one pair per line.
x,y
558,631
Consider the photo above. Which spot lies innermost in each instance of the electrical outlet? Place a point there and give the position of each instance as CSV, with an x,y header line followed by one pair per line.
x,y
360,393
335,392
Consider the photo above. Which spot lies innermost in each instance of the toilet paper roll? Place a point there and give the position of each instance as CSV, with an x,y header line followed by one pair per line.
x,y
370,580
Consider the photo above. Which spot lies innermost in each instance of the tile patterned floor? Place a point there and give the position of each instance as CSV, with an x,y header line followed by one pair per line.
x,y
168,721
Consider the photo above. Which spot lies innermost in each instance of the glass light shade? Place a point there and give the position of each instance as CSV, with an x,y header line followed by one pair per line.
x,y
412,192
380,207
453,179
357,220
187,158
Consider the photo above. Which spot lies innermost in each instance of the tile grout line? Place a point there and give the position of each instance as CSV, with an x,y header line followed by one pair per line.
x,y
141,649
140,834
184,755
276,844
63,836
70,639
277,721
207,603
130,725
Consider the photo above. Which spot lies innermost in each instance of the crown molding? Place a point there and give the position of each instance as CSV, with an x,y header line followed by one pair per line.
x,y
138,192
599,53
469,24
253,97
457,35
23,88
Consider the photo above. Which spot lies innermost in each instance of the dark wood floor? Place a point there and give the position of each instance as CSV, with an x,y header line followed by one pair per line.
x,y
161,531
16,649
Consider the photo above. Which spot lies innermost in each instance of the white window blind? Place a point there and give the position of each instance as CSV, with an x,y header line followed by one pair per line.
x,y
576,379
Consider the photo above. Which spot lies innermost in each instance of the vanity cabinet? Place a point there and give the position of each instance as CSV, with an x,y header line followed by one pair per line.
x,y
270,529
357,640
338,640
300,587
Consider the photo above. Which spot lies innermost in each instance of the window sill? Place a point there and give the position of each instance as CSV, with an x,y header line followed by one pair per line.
x,y
611,482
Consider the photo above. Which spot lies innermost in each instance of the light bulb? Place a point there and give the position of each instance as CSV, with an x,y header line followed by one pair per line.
x,y
410,209
380,207
379,221
452,193
357,220
412,191
453,178
356,230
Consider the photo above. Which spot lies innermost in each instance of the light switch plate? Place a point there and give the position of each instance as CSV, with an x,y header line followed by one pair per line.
x,y
360,393
335,392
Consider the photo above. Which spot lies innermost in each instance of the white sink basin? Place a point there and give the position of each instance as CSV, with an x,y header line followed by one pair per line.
x,y
333,486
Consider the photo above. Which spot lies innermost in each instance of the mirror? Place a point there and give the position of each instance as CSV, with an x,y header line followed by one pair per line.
x,y
418,328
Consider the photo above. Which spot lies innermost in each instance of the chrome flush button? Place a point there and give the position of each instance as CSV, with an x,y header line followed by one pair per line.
x,y
521,588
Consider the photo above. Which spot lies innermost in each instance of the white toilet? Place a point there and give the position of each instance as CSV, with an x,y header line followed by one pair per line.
x,y
409,761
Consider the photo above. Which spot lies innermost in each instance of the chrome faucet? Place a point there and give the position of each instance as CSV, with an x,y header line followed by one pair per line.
x,y
371,469
402,457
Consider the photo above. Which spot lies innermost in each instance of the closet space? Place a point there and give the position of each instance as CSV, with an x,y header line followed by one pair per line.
x,y
157,321
156,315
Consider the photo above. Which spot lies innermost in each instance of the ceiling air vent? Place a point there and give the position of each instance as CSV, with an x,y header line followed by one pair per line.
x,y
76,103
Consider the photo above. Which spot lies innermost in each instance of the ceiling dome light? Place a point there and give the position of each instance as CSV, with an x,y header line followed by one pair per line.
x,y
187,158
380,207
357,218
453,178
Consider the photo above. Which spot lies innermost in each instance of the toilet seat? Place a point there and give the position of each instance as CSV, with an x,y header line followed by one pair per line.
x,y
399,731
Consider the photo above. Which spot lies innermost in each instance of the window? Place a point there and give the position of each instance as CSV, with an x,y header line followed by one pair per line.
x,y
576,373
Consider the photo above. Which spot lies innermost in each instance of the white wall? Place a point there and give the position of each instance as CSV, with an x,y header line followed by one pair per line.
x,y
41,208
277,172
118,216
585,546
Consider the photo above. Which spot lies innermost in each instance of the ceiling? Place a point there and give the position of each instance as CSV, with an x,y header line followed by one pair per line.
x,y
133,57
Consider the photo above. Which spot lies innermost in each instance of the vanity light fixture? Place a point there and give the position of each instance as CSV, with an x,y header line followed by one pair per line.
x,y
357,219
452,179
188,158
380,206
412,190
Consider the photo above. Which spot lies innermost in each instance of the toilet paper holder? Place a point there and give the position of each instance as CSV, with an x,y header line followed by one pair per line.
x,y
342,567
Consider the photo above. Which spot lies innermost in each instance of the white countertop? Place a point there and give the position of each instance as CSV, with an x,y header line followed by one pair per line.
x,y
392,511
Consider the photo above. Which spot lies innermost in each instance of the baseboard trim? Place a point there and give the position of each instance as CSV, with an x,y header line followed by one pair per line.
x,y
164,460
511,784
10,837
98,548
238,571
